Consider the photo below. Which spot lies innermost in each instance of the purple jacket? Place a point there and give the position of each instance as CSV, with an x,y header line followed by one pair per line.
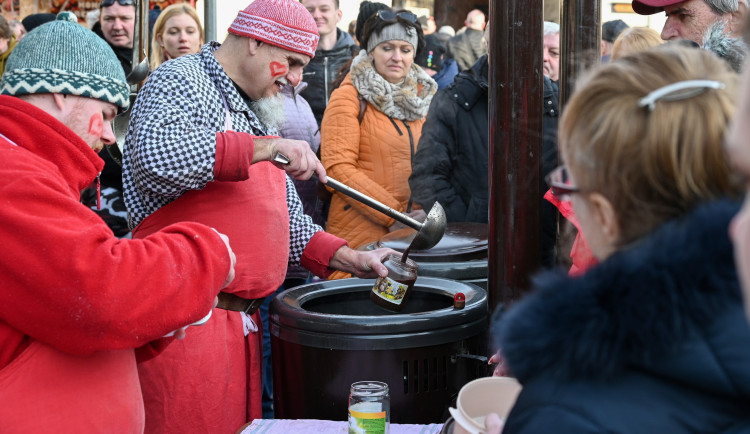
x,y
300,124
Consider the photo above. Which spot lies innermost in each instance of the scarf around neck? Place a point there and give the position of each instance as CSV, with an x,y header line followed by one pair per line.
x,y
408,100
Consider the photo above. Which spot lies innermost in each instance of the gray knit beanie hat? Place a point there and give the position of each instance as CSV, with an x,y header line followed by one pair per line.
x,y
62,57
393,32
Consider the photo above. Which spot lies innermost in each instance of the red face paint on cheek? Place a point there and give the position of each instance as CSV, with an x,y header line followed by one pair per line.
x,y
277,68
96,125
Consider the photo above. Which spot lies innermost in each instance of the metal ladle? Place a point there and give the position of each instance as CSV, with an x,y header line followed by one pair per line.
x,y
139,72
428,234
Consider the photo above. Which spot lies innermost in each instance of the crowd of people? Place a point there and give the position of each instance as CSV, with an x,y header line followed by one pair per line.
x,y
136,291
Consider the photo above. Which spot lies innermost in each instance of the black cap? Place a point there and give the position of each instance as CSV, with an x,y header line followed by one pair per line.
x,y
432,54
366,10
612,29
33,21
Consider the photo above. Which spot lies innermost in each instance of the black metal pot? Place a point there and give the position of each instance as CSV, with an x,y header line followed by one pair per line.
x,y
325,336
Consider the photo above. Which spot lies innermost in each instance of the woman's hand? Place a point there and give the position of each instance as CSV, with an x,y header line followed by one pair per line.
x,y
501,370
493,424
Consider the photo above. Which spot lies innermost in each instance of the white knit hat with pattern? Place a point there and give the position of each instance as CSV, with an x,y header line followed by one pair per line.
x,y
283,23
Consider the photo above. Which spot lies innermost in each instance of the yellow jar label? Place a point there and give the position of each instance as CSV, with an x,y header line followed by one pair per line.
x,y
390,290
366,423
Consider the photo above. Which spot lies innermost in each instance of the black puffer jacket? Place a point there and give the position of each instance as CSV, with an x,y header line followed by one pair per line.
x,y
321,71
450,165
652,340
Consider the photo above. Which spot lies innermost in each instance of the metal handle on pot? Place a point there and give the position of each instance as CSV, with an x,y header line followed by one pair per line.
x,y
484,366
483,359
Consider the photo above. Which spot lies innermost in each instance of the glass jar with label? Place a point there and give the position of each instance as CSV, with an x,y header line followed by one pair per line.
x,y
392,292
369,408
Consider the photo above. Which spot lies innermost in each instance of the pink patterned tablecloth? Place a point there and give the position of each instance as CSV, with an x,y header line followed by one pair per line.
x,y
314,426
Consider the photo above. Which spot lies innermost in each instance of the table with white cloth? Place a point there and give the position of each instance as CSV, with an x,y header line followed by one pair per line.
x,y
314,426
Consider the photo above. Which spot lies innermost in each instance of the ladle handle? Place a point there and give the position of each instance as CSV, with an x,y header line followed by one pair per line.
x,y
360,197
374,204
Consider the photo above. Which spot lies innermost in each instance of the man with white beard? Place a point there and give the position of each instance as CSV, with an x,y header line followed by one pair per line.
x,y
201,147
270,110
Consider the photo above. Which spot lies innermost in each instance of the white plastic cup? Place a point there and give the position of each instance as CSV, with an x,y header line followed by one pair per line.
x,y
483,396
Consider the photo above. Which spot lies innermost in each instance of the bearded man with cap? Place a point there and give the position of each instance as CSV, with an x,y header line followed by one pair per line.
x,y
691,19
201,146
75,299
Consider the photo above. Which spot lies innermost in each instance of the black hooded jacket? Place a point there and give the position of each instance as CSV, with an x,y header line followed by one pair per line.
x,y
652,340
321,71
450,165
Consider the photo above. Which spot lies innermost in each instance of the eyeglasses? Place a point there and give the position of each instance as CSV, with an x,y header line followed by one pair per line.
x,y
108,3
678,91
560,183
389,15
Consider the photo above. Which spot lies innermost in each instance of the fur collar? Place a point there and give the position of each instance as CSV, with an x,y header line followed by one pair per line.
x,y
629,309
407,101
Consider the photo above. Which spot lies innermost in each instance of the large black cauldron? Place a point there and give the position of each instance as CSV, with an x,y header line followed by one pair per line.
x,y
325,336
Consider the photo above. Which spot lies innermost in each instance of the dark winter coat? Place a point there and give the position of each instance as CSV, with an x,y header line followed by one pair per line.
x,y
447,74
652,340
112,207
451,161
549,213
450,166
321,71
466,48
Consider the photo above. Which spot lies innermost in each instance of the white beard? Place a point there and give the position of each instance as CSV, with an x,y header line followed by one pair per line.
x,y
270,111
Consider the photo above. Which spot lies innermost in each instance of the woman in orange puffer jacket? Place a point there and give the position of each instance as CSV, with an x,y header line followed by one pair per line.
x,y
372,125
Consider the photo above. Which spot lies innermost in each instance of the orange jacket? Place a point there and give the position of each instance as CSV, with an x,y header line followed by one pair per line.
x,y
373,157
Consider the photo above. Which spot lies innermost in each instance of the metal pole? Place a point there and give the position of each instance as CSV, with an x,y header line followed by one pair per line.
x,y
209,18
515,137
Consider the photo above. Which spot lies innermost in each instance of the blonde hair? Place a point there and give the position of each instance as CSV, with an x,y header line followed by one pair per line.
x,y
655,165
157,52
635,39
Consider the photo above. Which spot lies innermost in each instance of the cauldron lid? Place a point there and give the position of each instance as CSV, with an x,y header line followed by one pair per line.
x,y
462,242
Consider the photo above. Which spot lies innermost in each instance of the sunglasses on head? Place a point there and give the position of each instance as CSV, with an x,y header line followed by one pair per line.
x,y
389,15
108,3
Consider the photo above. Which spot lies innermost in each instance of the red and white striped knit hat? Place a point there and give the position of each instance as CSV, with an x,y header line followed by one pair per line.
x,y
283,23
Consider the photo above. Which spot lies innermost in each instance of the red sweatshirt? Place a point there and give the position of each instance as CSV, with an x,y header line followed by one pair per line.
x,y
74,298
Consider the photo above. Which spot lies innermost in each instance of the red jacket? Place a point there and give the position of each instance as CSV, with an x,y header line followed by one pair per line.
x,y
76,300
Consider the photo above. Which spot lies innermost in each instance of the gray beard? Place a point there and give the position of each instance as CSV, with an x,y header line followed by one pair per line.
x,y
270,111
